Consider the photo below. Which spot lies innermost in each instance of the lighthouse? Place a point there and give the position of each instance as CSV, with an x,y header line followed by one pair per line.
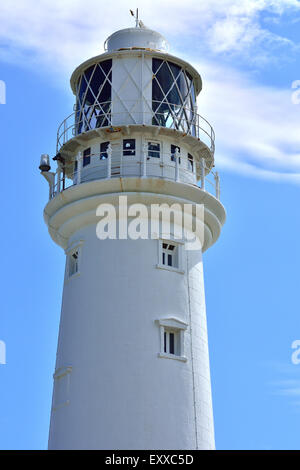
x,y
132,366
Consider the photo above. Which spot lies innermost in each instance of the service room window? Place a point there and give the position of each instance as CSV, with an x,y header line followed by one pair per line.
x,y
172,332
173,152
86,157
103,150
190,162
154,149
129,147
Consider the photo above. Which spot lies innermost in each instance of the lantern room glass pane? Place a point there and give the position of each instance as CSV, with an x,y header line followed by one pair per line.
x,y
93,108
173,97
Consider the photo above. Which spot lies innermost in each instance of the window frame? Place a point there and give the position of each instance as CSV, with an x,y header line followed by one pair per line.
x,y
103,153
86,157
178,327
153,142
173,151
126,152
191,163
179,245
75,247
61,392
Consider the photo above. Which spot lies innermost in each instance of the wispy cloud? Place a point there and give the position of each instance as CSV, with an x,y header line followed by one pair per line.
x,y
66,32
257,126
238,26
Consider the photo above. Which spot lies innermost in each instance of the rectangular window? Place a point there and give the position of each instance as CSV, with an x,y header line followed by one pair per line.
x,y
73,263
171,342
129,147
61,389
173,152
86,157
190,162
170,255
103,150
154,149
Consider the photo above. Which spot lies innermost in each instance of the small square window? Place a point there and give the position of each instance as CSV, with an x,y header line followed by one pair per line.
x,y
129,147
73,263
172,338
154,149
173,152
86,157
73,260
103,150
170,255
61,390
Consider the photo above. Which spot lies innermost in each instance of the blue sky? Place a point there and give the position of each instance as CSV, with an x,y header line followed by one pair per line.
x,y
248,55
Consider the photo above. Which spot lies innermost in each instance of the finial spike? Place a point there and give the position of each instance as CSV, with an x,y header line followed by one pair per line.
x,y
137,18
138,23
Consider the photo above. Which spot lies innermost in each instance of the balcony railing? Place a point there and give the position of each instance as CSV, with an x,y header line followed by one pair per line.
x,y
115,114
104,167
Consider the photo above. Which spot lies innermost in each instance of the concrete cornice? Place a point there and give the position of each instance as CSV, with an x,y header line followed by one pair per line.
x,y
76,206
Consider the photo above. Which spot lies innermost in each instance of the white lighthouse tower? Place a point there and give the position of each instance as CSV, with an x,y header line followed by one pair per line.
x,y
132,366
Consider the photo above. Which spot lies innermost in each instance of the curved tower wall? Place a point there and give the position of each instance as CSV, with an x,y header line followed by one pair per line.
x,y
119,394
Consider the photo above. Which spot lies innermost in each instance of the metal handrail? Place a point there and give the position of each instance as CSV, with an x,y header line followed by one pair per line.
x,y
171,167
196,126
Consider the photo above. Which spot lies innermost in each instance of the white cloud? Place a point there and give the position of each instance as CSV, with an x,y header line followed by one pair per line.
x,y
66,32
257,127
238,27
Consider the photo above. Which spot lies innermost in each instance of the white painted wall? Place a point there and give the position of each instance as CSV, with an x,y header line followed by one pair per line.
x,y
132,90
113,391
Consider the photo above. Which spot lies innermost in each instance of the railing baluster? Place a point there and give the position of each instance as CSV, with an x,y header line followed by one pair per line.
x,y
145,152
79,160
202,173
58,172
109,153
217,181
177,156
